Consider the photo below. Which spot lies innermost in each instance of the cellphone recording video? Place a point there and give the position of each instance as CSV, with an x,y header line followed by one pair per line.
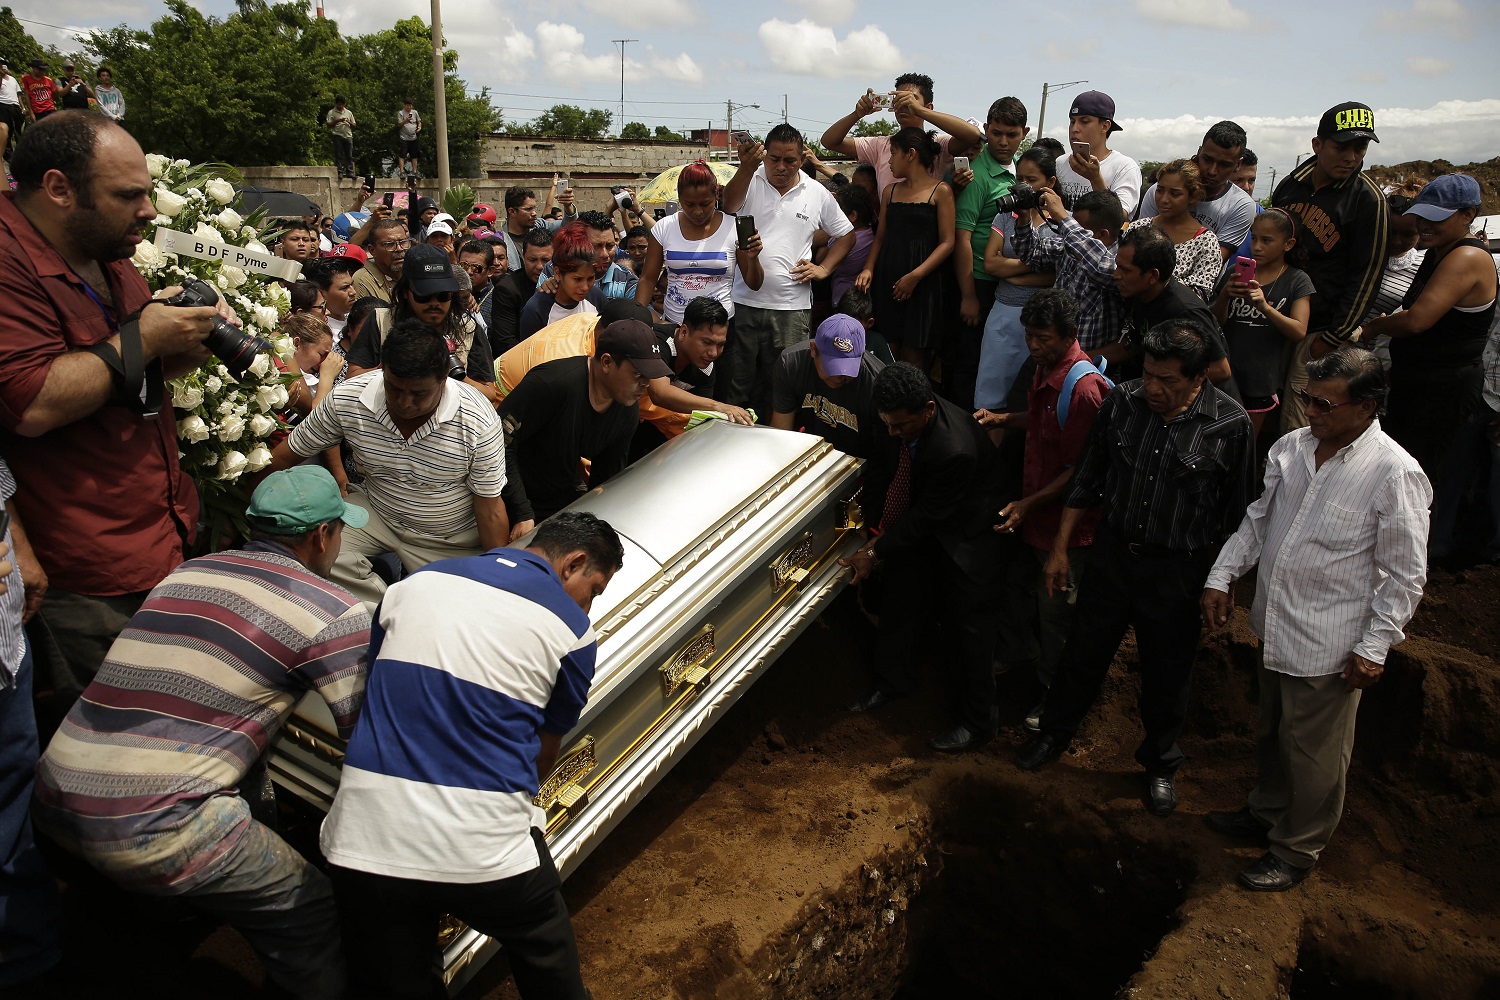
x,y
960,163
744,228
1083,150
1244,270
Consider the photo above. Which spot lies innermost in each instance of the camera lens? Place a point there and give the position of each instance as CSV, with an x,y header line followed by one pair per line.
x,y
235,348
1021,197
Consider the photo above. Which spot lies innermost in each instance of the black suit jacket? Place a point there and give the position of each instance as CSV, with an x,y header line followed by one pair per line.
x,y
506,302
955,495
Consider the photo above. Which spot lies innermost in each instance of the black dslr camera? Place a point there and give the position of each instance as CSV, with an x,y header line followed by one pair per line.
x,y
236,348
1022,197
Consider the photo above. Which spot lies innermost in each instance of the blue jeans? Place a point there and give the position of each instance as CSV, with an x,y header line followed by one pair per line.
x,y
30,910
1473,447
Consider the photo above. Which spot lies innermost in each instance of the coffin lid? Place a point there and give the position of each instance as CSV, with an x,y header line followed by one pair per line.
x,y
670,501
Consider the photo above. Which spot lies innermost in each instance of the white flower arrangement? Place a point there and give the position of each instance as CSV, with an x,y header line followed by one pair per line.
x,y
226,426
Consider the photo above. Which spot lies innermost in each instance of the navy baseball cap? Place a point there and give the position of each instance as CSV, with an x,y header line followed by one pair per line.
x,y
1098,104
1445,195
428,270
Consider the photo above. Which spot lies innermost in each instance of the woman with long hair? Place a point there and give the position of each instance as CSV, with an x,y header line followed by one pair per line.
x,y
1199,259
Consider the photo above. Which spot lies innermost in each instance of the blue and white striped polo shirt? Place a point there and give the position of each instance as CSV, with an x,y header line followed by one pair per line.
x,y
470,660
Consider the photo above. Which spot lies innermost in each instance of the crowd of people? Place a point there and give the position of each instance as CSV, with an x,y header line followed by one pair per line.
x,y
1085,404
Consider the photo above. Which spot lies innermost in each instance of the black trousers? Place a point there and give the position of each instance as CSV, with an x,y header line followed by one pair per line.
x,y
927,586
960,349
1158,594
390,928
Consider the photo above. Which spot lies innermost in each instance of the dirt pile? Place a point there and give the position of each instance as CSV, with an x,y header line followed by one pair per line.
x,y
1487,173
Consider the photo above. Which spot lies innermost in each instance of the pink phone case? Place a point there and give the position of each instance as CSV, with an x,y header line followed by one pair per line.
x,y
1244,270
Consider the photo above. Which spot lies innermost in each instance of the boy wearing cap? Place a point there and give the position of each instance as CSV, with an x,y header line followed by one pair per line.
x,y
141,779
40,91
577,407
72,91
1343,231
1438,341
1091,121
826,386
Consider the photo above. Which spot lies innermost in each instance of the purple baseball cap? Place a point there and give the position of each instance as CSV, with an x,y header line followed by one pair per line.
x,y
841,345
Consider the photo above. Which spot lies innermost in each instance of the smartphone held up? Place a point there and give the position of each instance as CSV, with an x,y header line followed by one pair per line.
x,y
744,228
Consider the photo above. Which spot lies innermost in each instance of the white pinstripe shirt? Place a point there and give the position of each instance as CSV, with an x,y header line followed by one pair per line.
x,y
12,636
426,483
1342,552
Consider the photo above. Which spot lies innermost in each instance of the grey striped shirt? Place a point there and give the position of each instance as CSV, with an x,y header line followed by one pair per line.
x,y
425,483
12,637
1342,552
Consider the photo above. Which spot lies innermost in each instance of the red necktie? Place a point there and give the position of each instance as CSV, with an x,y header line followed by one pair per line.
x,y
898,494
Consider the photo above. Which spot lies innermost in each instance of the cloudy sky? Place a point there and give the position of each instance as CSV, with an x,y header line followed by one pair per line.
x,y
1428,67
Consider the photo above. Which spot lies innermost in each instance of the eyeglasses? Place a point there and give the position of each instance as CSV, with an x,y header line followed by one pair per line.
x,y
475,268
439,296
1319,405
321,307
392,244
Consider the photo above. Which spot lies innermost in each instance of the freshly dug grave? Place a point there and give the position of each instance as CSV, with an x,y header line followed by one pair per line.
x,y
800,851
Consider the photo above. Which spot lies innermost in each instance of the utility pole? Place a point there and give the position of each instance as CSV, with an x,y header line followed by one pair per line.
x,y
621,42
439,98
783,106
1047,88
728,128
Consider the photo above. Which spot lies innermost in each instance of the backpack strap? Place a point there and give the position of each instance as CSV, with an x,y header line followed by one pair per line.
x,y
1079,370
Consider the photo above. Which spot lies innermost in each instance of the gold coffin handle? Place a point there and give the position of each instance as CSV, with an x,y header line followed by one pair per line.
x,y
851,513
564,786
791,567
688,665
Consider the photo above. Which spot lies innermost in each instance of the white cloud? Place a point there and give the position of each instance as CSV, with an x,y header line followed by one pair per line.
x,y
563,59
1194,14
814,50
1458,131
1427,66
1427,16
828,11
490,47
682,68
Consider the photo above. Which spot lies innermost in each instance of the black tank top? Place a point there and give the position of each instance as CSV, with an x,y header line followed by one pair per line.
x,y
1457,339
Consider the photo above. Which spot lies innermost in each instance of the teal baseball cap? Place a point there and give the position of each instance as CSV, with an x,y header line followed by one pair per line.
x,y
298,499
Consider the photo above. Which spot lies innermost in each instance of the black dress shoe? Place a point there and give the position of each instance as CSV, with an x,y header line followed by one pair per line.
x,y
1161,794
961,738
871,699
1271,874
1241,823
1038,751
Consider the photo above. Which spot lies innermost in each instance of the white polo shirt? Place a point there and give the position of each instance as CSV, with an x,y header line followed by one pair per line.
x,y
786,223
425,483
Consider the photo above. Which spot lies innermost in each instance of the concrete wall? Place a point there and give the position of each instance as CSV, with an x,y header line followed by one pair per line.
x,y
593,166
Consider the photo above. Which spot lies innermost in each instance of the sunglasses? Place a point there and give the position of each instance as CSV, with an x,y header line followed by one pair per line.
x,y
439,296
1317,404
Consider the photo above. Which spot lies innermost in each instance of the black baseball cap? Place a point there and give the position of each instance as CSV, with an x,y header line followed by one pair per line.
x,y
68,64
1098,104
1348,121
633,341
39,62
428,270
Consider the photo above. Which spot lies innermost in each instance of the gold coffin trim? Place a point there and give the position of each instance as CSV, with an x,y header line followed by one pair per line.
x,y
564,786
686,666
851,514
792,566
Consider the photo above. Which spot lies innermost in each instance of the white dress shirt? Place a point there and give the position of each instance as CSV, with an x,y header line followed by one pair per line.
x,y
1342,552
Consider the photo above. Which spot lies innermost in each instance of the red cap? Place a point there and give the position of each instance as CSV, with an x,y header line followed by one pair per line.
x,y
348,250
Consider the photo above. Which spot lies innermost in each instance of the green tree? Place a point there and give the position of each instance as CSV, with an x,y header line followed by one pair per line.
x,y
875,126
635,130
253,88
16,43
665,134
1149,169
571,121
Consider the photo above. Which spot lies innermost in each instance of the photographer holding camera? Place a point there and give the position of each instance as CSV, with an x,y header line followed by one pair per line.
x,y
83,361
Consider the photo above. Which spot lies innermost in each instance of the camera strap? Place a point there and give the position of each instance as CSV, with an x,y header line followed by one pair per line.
x,y
137,385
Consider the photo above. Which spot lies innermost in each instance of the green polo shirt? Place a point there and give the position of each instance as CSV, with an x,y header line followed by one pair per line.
x,y
975,209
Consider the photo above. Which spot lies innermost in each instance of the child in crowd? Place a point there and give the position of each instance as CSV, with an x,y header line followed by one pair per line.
x,y
859,305
916,236
1199,260
1003,350
1264,317
859,208
573,254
